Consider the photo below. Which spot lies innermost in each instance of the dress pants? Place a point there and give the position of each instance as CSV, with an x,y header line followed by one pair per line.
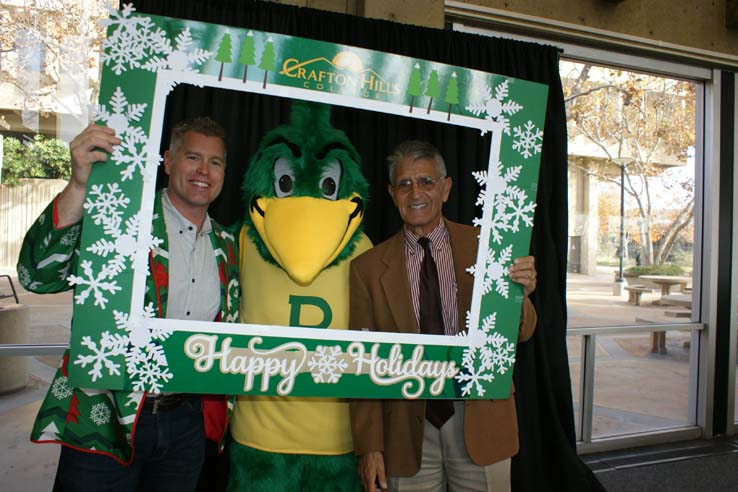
x,y
446,466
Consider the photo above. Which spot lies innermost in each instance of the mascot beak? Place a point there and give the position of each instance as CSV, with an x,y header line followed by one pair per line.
x,y
305,234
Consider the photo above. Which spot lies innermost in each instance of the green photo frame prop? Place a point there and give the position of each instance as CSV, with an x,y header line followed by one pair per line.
x,y
118,343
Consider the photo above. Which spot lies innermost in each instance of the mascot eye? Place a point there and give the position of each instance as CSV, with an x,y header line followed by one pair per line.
x,y
330,179
284,178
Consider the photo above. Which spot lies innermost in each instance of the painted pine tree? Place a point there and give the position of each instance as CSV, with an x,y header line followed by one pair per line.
x,y
452,94
267,60
224,53
414,88
247,56
432,89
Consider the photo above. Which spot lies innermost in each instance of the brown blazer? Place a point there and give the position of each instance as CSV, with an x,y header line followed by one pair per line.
x,y
380,300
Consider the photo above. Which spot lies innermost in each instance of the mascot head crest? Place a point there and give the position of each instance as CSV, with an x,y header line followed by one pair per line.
x,y
305,194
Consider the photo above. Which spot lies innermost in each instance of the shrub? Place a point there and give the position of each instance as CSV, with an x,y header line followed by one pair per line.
x,y
40,158
662,269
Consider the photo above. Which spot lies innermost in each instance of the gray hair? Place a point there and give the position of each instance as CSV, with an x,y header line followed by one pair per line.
x,y
414,150
203,125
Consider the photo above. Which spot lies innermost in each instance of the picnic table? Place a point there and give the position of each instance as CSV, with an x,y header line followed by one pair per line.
x,y
666,282
684,300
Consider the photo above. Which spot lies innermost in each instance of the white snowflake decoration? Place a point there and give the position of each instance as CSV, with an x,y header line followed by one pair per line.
x,y
100,414
121,246
495,271
528,140
133,151
491,354
137,341
510,205
60,388
116,247
182,57
106,206
97,284
103,354
149,372
517,209
146,363
495,108
133,41
326,364
121,116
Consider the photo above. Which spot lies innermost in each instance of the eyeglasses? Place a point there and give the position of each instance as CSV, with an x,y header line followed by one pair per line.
x,y
424,183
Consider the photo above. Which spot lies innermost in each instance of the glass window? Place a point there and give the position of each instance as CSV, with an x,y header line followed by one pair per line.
x,y
48,85
631,242
631,196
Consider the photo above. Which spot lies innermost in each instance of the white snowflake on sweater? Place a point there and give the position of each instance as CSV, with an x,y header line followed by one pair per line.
x,y
489,353
326,364
495,108
100,414
71,236
60,388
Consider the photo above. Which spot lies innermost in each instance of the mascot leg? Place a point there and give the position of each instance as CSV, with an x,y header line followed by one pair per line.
x,y
253,470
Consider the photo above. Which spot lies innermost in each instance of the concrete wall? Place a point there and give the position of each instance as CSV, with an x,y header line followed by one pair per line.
x,y
697,24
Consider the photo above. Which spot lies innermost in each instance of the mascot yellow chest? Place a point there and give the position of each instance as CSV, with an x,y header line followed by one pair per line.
x,y
269,296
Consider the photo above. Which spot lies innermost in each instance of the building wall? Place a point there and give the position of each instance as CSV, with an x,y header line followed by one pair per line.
x,y
699,24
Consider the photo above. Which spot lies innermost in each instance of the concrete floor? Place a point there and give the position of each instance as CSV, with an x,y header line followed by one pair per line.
x,y
635,389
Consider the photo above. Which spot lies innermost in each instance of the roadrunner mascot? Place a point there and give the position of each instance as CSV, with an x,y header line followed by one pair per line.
x,y
305,202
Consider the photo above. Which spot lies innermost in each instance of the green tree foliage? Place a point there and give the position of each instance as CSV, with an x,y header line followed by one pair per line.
x,y
267,60
647,122
224,53
414,87
452,93
432,90
247,56
40,158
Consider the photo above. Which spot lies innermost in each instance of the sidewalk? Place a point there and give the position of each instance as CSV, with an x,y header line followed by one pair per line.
x,y
26,466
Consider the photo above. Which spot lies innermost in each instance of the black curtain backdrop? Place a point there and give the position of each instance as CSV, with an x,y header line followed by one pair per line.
x,y
547,459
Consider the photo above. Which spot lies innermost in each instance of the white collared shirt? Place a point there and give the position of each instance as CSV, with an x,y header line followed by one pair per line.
x,y
440,246
194,288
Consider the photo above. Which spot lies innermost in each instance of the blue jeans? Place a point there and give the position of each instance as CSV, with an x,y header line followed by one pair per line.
x,y
169,450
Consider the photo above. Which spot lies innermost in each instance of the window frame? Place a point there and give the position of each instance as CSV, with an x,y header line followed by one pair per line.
x,y
705,272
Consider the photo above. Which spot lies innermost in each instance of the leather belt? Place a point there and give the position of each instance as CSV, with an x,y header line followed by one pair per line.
x,y
164,403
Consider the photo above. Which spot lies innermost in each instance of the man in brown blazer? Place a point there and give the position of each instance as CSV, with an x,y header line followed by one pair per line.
x,y
398,447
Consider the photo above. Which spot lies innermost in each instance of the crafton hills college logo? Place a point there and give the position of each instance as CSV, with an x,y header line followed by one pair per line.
x,y
344,73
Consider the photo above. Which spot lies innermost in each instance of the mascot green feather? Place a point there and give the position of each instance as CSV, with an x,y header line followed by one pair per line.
x,y
305,195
